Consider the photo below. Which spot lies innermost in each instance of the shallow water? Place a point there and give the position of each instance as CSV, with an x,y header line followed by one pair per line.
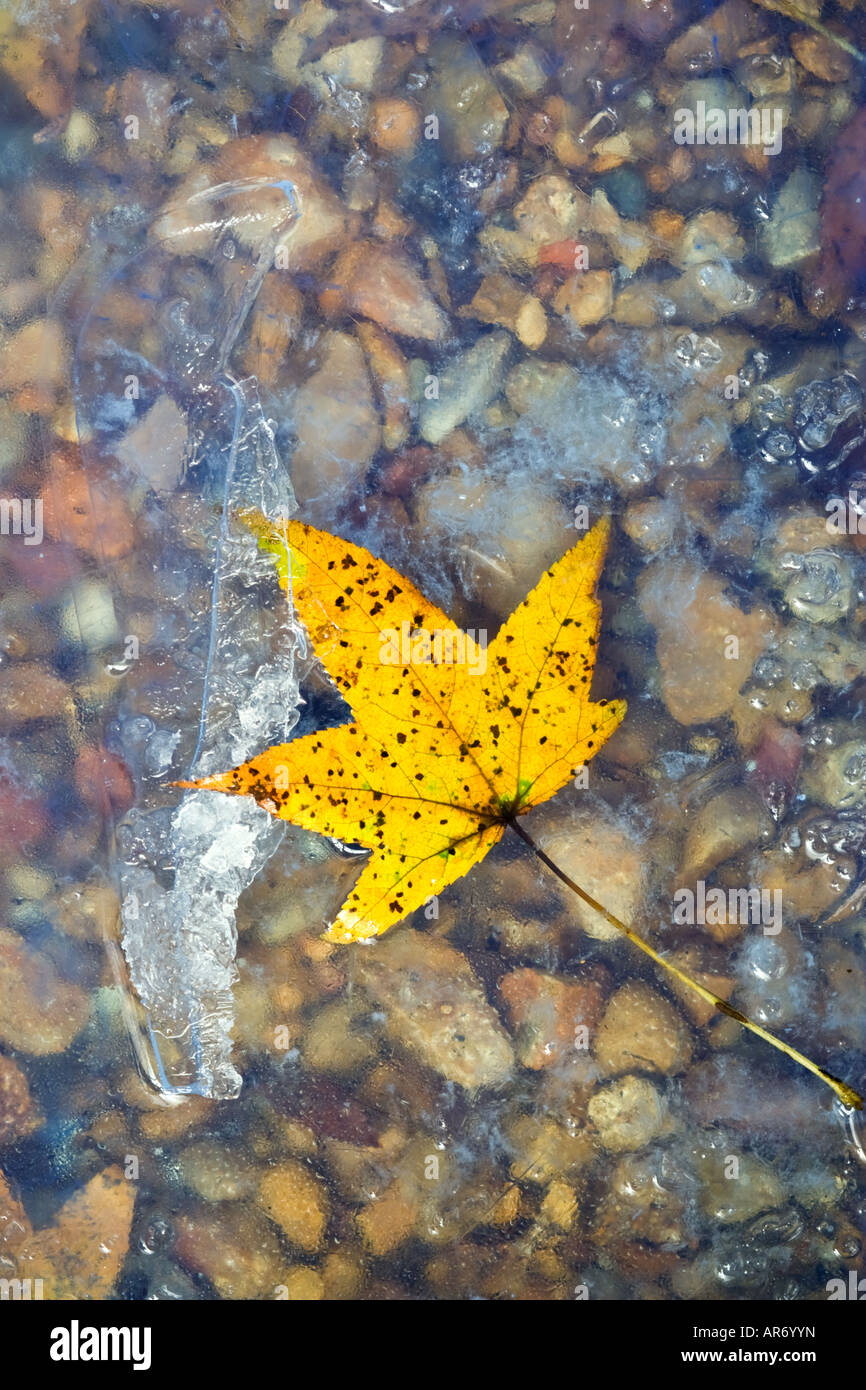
x,y
442,280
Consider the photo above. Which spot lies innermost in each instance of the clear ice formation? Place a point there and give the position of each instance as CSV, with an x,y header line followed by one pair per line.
x,y
182,867
180,941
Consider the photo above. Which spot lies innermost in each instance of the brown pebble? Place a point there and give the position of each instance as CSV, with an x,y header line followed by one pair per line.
x,y
540,128
402,475
681,164
706,643
34,356
40,1012
586,297
386,1223
274,325
390,375
80,1254
546,1013
30,692
19,1113
88,511
380,282
297,1201
641,1031
234,1246
715,39
103,780
395,125
22,820
820,56
302,1285
86,911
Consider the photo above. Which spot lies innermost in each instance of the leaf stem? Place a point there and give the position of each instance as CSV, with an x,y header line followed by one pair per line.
x,y
849,1098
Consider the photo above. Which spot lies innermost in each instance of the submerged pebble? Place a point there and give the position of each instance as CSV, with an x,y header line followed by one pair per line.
x,y
40,1011
435,1007
19,1113
641,1029
628,1114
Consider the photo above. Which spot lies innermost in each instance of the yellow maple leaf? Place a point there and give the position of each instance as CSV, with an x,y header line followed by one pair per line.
x,y
451,742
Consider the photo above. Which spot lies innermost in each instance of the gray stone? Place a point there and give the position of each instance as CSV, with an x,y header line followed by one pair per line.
x,y
466,386
791,235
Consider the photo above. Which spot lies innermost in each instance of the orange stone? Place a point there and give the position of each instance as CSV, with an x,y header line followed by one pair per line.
x,y
394,125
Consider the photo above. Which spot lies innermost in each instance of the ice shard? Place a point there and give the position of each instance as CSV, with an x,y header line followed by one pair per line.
x,y
180,940
162,412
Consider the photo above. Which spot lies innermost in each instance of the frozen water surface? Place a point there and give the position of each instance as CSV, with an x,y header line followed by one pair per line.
x,y
179,937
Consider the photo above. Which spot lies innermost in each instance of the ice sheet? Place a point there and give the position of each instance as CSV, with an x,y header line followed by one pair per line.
x,y
221,681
